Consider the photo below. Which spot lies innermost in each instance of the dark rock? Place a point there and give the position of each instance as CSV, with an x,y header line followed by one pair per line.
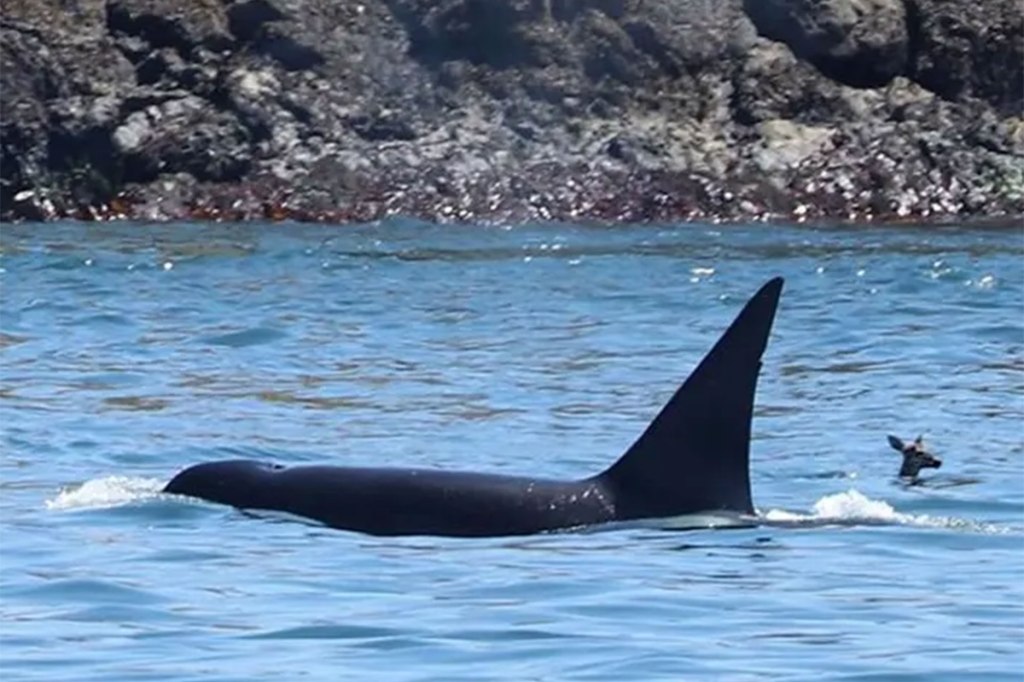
x,y
246,19
383,127
965,48
183,26
30,205
567,10
286,51
509,109
771,83
691,36
498,33
183,135
608,51
862,43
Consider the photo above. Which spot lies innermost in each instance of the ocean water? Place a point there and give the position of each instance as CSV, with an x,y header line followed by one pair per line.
x,y
130,351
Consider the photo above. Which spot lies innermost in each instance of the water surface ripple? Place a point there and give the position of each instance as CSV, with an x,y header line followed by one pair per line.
x,y
130,351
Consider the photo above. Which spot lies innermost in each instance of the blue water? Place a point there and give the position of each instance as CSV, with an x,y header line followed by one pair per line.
x,y
130,351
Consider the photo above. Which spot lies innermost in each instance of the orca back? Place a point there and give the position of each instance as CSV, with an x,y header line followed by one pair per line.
x,y
694,457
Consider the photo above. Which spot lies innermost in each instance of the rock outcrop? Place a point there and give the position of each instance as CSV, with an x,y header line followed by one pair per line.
x,y
511,109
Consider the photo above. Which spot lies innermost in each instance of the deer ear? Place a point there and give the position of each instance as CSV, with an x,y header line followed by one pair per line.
x,y
896,443
919,441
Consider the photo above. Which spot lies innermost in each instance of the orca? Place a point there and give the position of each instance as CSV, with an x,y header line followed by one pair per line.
x,y
693,458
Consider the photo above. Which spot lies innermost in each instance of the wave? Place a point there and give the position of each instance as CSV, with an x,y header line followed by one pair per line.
x,y
106,492
853,508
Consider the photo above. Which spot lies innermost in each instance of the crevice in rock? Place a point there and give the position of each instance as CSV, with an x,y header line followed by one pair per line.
x,y
381,128
913,19
858,71
301,113
646,40
286,51
255,125
87,158
155,30
247,19
13,147
479,32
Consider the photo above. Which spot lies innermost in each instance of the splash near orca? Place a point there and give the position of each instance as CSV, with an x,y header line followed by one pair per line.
x,y
693,458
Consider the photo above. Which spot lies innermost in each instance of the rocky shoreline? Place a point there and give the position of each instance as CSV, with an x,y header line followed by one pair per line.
x,y
511,110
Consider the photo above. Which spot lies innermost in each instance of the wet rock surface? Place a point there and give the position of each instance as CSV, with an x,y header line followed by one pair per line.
x,y
511,109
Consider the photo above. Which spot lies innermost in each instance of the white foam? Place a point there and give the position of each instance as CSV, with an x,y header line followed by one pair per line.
x,y
854,508
853,504
849,506
109,491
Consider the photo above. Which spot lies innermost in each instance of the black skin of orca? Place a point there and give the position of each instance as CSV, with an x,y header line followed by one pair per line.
x,y
694,457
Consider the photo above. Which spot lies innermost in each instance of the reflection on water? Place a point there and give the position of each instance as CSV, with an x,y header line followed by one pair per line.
x,y
130,351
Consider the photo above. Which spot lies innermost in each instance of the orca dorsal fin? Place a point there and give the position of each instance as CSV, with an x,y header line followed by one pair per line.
x,y
695,455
